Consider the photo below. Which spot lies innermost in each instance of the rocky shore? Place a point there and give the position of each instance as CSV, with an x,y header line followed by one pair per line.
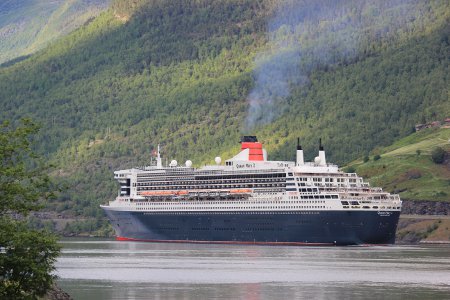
x,y
424,222
416,207
56,293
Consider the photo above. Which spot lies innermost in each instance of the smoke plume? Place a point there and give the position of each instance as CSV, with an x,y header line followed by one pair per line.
x,y
305,35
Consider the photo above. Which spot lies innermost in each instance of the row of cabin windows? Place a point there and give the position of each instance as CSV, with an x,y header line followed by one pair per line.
x,y
240,212
210,176
235,207
247,177
308,190
241,176
320,197
327,179
217,203
210,187
197,182
272,177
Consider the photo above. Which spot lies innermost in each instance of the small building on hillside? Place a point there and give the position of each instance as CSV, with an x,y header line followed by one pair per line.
x,y
444,124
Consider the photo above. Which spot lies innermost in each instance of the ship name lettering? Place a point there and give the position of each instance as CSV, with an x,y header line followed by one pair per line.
x,y
248,165
384,213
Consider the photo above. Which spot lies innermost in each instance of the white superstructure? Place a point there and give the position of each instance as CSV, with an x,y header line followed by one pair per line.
x,y
249,182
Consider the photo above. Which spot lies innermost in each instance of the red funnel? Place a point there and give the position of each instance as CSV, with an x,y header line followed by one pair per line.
x,y
255,150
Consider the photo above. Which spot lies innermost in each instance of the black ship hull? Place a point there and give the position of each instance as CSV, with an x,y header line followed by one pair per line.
x,y
290,228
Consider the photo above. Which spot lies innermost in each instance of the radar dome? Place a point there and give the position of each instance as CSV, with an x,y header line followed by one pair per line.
x,y
173,163
218,160
317,160
188,163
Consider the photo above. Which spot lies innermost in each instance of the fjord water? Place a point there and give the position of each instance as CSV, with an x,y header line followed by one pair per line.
x,y
106,269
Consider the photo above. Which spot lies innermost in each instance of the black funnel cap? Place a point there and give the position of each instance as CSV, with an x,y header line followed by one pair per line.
x,y
298,144
248,139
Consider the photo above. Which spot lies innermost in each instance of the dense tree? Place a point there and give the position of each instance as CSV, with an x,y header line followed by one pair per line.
x,y
438,155
27,256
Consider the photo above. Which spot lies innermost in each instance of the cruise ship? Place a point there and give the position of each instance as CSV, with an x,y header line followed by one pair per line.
x,y
249,199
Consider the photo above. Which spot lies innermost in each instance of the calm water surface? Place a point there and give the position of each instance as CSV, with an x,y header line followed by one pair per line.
x,y
106,269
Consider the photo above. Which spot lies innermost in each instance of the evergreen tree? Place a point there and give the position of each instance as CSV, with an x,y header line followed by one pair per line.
x,y
27,256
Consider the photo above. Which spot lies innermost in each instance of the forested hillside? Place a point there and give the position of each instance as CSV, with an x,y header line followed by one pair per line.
x,y
195,75
28,25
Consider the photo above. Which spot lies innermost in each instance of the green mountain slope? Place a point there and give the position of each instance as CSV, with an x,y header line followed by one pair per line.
x,y
28,25
406,167
191,74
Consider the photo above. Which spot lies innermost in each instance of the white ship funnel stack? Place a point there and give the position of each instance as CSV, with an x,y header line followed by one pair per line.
x,y
158,159
300,159
322,159
264,154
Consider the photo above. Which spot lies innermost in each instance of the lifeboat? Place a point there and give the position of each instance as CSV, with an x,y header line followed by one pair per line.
x,y
241,191
164,193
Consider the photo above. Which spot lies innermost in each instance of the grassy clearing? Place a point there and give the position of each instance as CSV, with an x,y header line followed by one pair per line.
x,y
424,141
411,173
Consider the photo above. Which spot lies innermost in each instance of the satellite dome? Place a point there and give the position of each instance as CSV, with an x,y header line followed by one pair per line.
x,y
317,160
218,160
173,163
188,163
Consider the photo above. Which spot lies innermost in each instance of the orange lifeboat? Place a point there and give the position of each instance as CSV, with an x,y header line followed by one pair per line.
x,y
241,191
163,193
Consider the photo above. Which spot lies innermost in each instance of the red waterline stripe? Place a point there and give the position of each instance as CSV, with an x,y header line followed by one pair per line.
x,y
121,238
